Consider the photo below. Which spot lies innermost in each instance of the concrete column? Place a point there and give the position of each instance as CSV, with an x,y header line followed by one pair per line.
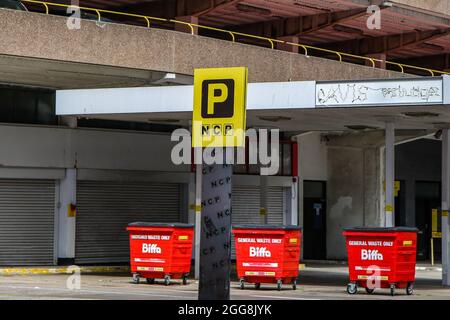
x,y
198,217
263,210
67,216
288,47
390,173
445,207
185,28
378,64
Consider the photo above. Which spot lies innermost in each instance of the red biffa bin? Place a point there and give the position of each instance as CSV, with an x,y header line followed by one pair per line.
x,y
381,258
267,254
160,251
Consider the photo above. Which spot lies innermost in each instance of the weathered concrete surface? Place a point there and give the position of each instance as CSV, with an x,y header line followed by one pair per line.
x,y
437,6
35,35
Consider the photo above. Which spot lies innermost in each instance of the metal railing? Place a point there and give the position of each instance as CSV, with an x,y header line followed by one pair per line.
x,y
234,34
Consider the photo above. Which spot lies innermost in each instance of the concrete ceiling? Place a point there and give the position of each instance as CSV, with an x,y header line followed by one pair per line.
x,y
67,75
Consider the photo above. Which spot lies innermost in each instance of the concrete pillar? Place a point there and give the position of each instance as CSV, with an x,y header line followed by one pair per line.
x,y
263,210
390,173
185,28
445,207
378,64
67,217
288,47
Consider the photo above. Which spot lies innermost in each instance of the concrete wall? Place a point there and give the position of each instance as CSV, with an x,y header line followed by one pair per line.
x,y
312,159
36,35
419,160
351,166
57,147
353,189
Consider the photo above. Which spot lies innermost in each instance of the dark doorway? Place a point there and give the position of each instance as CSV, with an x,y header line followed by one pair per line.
x,y
428,197
400,207
314,220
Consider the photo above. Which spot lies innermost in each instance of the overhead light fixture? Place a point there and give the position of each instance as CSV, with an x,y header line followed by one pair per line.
x,y
174,79
347,29
245,7
421,114
274,118
358,127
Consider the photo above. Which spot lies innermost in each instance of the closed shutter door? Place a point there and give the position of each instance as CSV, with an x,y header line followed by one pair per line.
x,y
27,213
245,205
104,209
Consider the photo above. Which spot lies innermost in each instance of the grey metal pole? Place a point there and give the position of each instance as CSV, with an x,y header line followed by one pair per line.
x,y
390,174
215,242
198,211
445,207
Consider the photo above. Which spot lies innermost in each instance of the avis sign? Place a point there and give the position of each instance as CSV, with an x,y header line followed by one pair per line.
x,y
220,96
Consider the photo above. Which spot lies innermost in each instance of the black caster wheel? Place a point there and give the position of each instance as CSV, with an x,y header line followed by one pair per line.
x,y
392,289
150,280
185,279
370,291
294,284
136,278
241,284
257,285
279,285
166,280
352,288
410,289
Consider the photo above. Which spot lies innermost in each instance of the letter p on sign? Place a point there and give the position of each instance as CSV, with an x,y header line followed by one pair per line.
x,y
220,96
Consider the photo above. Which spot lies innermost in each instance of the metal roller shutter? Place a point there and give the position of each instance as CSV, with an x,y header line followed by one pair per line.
x,y
27,213
245,204
104,209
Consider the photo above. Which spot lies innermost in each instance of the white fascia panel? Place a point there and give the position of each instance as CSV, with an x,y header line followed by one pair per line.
x,y
260,96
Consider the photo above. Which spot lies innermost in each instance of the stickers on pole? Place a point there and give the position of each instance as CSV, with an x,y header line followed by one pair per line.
x,y
220,96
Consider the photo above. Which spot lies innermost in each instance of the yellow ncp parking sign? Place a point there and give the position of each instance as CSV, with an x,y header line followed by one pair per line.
x,y
220,96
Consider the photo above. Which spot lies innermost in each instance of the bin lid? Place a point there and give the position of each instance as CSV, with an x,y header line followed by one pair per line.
x,y
161,225
382,229
266,227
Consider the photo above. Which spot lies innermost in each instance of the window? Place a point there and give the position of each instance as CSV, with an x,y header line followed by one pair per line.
x,y
28,106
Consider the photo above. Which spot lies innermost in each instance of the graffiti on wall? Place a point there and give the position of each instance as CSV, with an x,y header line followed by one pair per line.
x,y
365,93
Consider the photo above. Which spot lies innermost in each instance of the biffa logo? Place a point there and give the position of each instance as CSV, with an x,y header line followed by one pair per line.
x,y
371,255
150,248
260,252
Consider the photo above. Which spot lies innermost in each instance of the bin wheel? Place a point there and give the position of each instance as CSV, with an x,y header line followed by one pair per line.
x,y
241,284
279,285
392,288
294,284
369,291
352,288
136,278
150,280
166,280
410,288
257,285
185,279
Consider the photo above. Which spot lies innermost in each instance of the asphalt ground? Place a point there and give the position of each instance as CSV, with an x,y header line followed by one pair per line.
x,y
325,282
